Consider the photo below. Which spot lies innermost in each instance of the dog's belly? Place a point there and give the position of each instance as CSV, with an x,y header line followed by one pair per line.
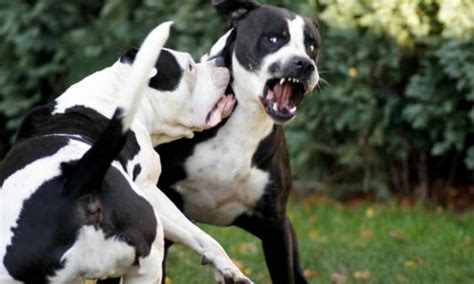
x,y
221,182
93,256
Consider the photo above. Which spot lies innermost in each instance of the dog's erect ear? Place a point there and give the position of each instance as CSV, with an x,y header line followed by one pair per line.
x,y
234,9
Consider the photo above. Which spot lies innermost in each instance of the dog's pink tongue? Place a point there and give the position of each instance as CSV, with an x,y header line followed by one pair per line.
x,y
283,93
221,110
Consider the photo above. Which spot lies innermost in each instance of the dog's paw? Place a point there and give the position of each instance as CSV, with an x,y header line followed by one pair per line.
x,y
231,276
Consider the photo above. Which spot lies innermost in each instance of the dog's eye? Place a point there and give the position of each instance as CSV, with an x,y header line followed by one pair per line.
x,y
311,48
273,39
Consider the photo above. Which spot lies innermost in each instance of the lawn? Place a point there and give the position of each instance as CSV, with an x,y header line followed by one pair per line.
x,y
368,243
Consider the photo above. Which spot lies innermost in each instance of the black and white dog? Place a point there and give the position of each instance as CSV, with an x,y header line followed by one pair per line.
x,y
78,190
238,173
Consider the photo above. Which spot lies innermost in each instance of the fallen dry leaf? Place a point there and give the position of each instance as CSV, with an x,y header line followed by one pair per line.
x,y
362,274
409,263
370,212
420,260
309,273
247,271
366,233
248,248
168,280
400,278
397,236
468,241
238,263
313,235
338,278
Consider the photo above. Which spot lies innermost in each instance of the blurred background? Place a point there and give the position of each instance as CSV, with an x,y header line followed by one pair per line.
x,y
392,122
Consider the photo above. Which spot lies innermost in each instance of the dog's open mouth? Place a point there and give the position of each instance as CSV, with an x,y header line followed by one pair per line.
x,y
281,98
221,110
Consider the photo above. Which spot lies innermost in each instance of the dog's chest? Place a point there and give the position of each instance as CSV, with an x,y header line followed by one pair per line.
x,y
221,182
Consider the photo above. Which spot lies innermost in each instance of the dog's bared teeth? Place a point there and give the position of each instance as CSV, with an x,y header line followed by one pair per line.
x,y
275,106
282,80
293,109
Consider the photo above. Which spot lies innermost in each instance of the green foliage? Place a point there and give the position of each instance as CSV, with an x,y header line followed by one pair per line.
x,y
48,45
400,77
400,87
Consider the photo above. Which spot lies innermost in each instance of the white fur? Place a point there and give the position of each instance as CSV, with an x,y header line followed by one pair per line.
x,y
18,187
251,81
161,117
94,257
221,182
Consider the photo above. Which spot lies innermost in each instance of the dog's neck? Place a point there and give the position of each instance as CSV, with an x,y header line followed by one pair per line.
x,y
251,118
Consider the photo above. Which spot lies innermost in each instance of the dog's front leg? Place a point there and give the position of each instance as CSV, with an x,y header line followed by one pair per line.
x,y
179,229
280,247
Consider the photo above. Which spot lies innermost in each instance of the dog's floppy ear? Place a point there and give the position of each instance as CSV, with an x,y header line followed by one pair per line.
x,y
234,9
314,21
129,56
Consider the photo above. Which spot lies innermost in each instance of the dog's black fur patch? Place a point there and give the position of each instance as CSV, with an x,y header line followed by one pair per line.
x,y
80,121
169,73
88,191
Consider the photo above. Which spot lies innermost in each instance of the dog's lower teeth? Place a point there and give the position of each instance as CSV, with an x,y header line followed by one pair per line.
x,y
275,106
293,109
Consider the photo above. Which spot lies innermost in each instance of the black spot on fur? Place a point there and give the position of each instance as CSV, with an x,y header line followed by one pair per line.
x,y
136,171
169,73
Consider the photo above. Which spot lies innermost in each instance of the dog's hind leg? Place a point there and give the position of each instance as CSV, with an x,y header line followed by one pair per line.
x,y
148,270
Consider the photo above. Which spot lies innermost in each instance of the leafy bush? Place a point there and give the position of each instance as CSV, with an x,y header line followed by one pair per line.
x,y
47,45
397,110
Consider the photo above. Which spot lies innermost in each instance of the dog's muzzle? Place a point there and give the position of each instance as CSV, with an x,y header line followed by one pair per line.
x,y
284,93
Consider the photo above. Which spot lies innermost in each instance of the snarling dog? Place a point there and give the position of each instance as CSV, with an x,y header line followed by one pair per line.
x,y
78,189
238,173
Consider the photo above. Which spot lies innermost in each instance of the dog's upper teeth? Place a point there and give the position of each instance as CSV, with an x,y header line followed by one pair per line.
x,y
282,80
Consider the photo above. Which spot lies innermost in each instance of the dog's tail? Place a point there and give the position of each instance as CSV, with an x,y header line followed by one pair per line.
x,y
88,173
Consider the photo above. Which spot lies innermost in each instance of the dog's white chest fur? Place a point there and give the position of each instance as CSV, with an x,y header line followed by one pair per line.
x,y
221,182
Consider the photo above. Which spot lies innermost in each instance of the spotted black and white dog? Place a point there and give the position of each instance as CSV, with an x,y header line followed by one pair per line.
x,y
78,190
238,173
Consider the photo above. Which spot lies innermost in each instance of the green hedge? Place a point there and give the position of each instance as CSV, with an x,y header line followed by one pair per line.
x,y
396,111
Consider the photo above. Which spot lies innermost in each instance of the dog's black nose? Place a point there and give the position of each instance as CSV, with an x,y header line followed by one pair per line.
x,y
303,66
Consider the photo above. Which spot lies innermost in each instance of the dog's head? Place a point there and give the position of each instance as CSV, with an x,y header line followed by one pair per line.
x,y
272,53
184,96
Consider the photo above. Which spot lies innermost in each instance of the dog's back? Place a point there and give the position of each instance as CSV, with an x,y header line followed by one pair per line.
x,y
60,187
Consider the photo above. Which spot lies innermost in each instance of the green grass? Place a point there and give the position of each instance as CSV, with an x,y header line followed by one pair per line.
x,y
365,244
